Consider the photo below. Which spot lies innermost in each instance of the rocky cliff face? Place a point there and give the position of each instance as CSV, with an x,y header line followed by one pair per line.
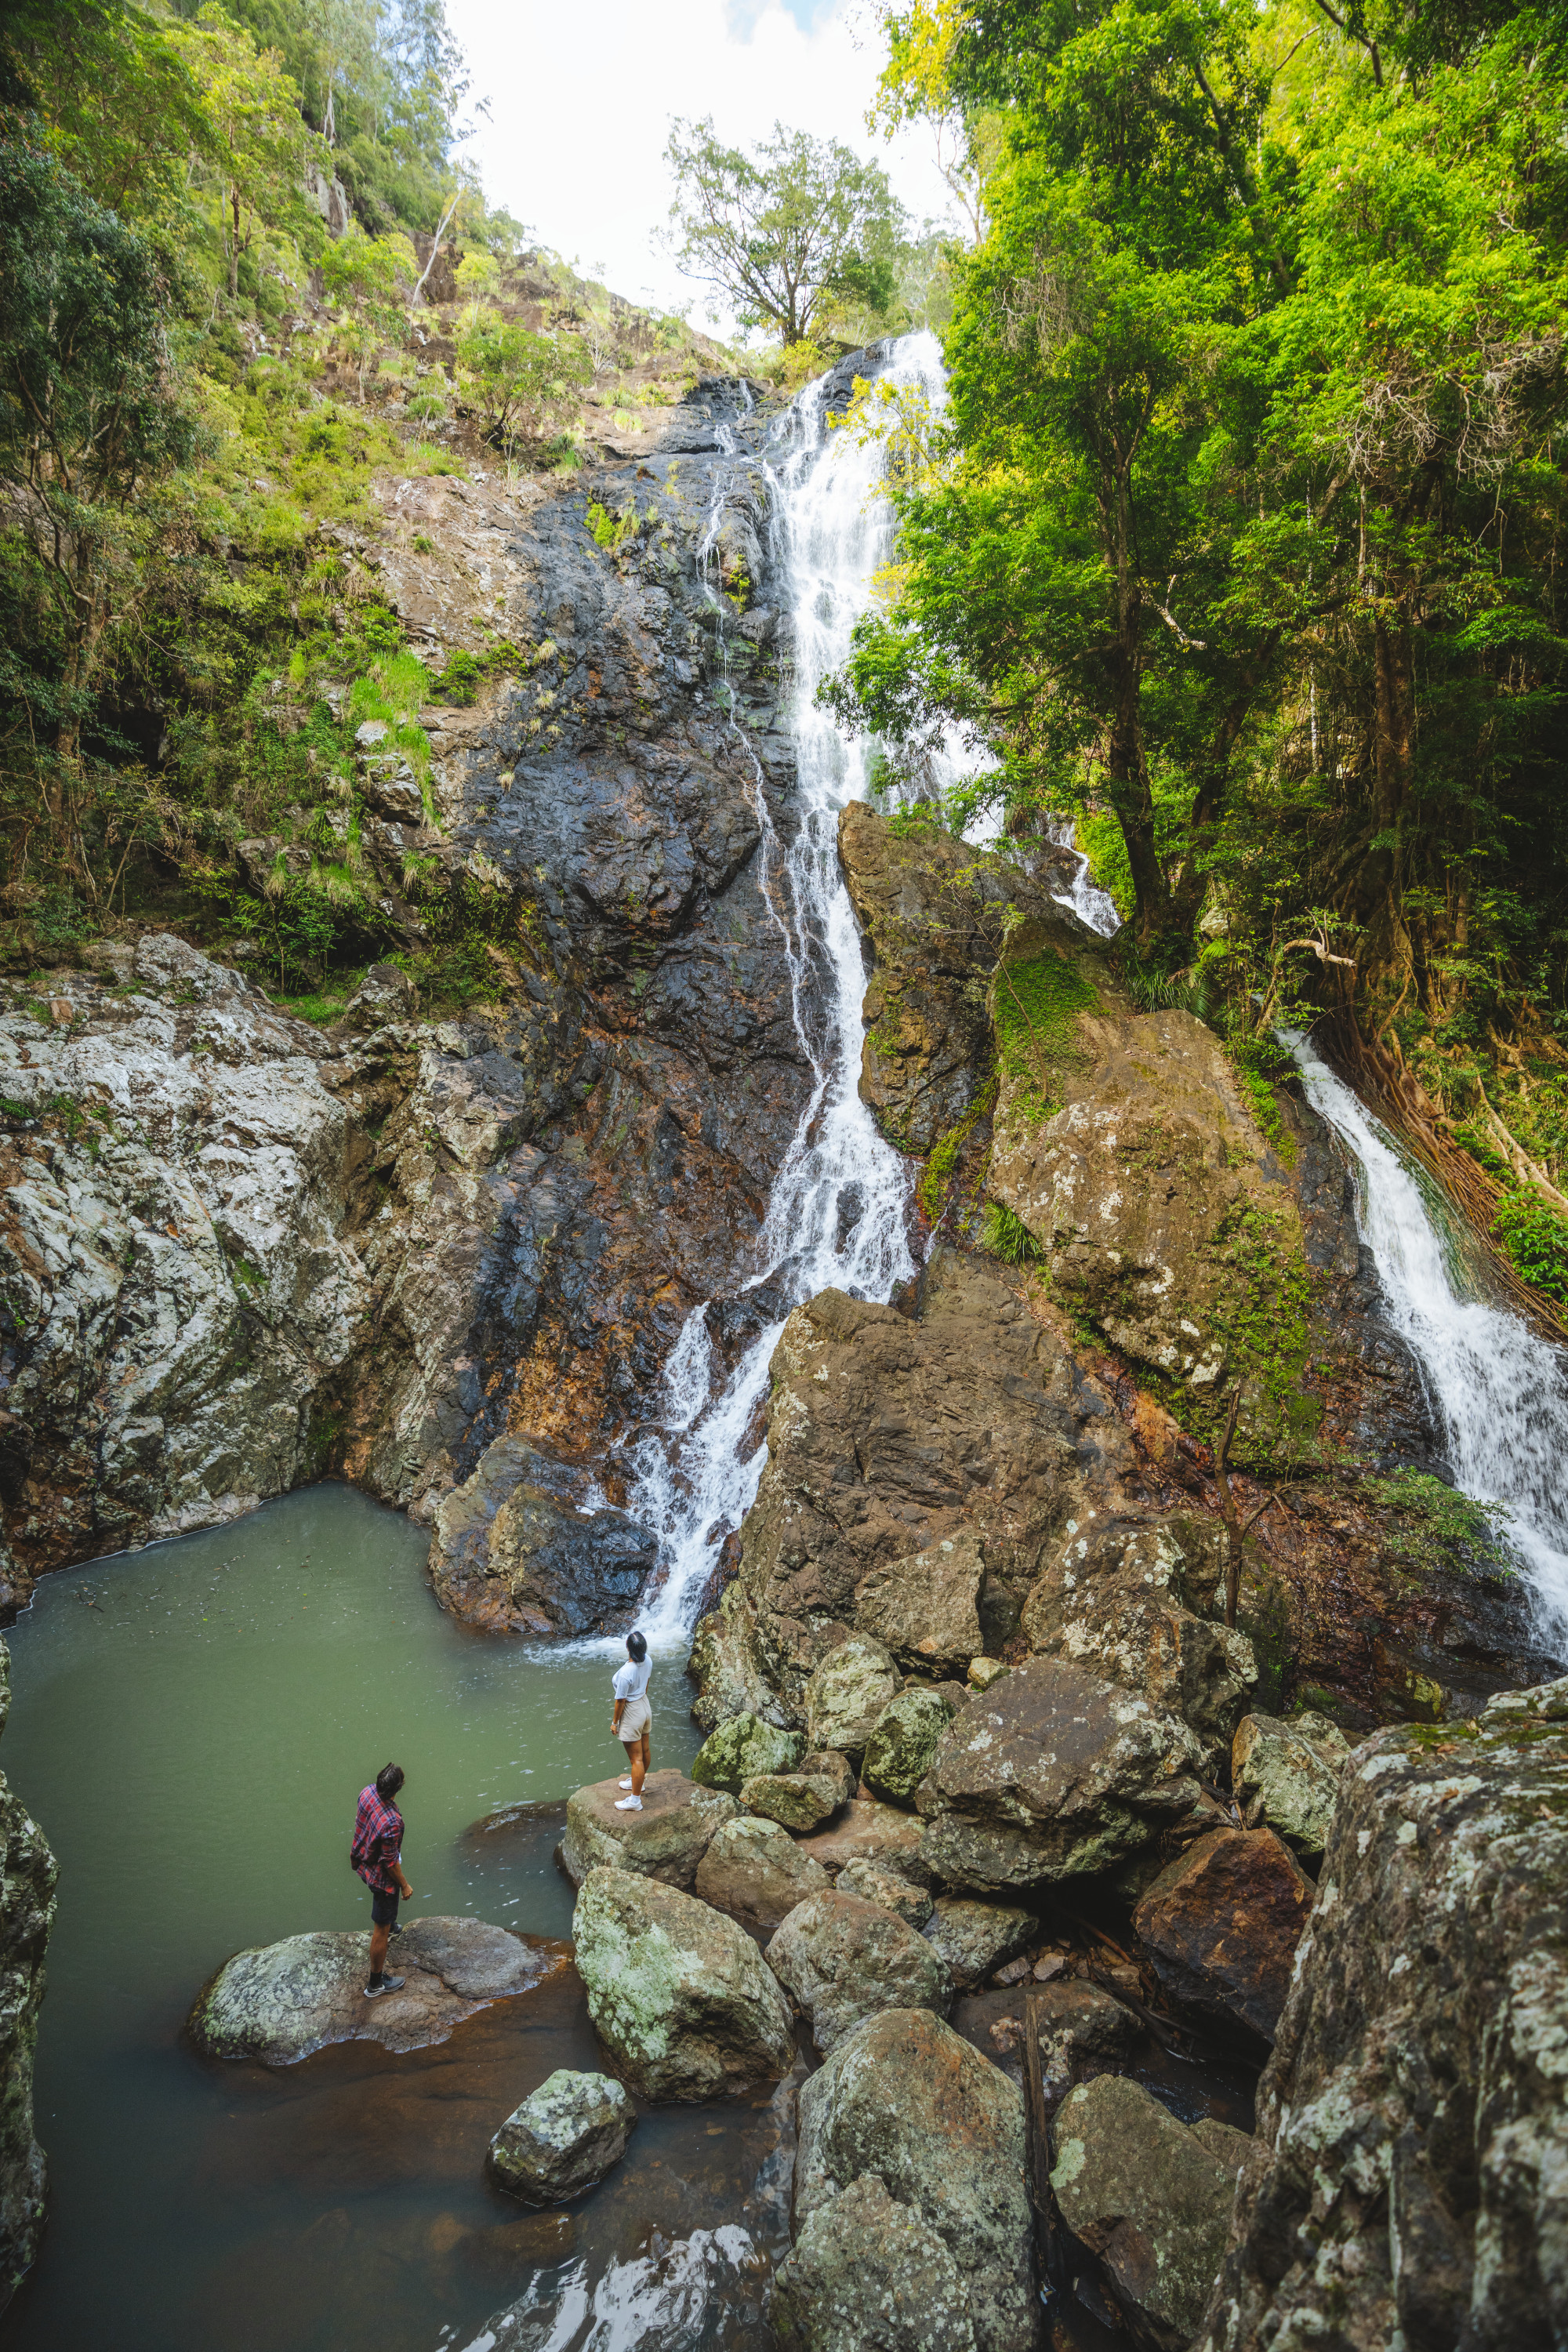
x,y
27,1876
239,1251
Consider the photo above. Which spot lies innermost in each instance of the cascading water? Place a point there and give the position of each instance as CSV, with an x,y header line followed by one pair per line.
x,y
1500,1393
838,1211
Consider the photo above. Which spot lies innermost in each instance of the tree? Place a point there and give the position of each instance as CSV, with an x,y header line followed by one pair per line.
x,y
89,422
784,233
365,275
521,381
252,132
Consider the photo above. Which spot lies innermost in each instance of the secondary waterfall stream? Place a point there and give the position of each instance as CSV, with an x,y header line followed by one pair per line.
x,y
1499,1392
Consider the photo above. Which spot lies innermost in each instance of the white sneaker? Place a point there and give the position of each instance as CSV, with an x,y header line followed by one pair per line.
x,y
629,1805
626,1784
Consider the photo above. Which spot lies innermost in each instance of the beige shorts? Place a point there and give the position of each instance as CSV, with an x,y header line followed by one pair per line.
x,y
636,1716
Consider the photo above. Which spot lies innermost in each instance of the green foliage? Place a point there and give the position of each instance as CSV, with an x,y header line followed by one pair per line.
x,y
1007,1236
938,1172
1260,1065
1432,1526
1534,1237
1035,1002
523,382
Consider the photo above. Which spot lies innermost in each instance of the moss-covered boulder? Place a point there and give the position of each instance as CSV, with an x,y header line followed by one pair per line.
x,y
1288,1775
680,1995
743,1748
665,1840
869,2274
846,1693
873,1883
904,1742
564,2138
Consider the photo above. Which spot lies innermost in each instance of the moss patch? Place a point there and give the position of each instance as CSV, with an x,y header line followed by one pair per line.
x,y
1431,1526
1035,1005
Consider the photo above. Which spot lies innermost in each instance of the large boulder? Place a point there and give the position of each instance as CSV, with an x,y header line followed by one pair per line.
x,y
906,2099
1116,1601
1413,2112
874,1884
803,1799
754,1870
564,2138
743,1748
868,2274
846,1693
1222,1923
975,1937
1150,2198
867,1831
279,2003
679,1994
844,1960
1052,1774
511,1551
925,1609
1288,1775
905,1738
666,1839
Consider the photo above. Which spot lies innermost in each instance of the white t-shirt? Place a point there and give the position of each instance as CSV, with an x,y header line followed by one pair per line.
x,y
631,1680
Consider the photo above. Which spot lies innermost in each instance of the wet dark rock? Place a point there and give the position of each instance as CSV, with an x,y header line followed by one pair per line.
x,y
509,1555
679,1994
1150,2198
27,1880
666,1839
1412,2113
843,1961
755,1870
904,1741
868,2274
1051,1774
281,2003
1082,2032
564,2138
908,2100
1222,1924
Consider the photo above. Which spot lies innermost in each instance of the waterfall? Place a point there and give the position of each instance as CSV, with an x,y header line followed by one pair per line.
x,y
1500,1394
838,1214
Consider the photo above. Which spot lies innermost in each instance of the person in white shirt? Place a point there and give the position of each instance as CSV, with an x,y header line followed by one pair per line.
x,y
632,1722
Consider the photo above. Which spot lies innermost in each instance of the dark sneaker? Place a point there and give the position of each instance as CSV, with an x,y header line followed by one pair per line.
x,y
378,1985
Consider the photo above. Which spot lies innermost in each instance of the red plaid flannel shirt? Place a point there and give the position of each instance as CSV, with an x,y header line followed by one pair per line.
x,y
378,1840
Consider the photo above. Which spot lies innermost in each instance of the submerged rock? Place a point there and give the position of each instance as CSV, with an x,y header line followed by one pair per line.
x,y
1222,1923
846,1693
679,1994
904,1741
975,1937
868,2274
754,1870
666,1839
564,2138
1413,2115
744,1747
1288,1775
1051,1774
844,1960
281,2001
906,2099
1150,2197
511,1554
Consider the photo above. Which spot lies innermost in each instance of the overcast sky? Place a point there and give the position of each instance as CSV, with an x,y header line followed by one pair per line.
x,y
580,101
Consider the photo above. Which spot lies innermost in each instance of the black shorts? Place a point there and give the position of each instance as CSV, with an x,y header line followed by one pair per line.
x,y
383,1907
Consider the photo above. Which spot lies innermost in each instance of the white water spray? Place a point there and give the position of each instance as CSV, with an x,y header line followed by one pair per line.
x,y
1500,1393
839,1212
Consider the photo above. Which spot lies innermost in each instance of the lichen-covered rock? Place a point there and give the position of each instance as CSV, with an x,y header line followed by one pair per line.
x,y
924,1609
1115,1601
904,1741
1051,1774
666,1839
281,2003
906,2099
510,1554
1082,2032
1413,2111
564,2138
754,1870
745,1748
27,1879
1222,1922
1288,1775
873,1884
1145,2194
846,1692
975,1937
867,1831
679,1994
844,1960
868,2274
796,1800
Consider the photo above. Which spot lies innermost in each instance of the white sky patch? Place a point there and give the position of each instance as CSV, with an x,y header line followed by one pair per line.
x,y
581,104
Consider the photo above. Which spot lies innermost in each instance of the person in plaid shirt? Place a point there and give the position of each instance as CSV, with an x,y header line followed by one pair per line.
x,y
377,1854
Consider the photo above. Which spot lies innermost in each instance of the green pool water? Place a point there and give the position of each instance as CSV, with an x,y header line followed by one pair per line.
x,y
190,1725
